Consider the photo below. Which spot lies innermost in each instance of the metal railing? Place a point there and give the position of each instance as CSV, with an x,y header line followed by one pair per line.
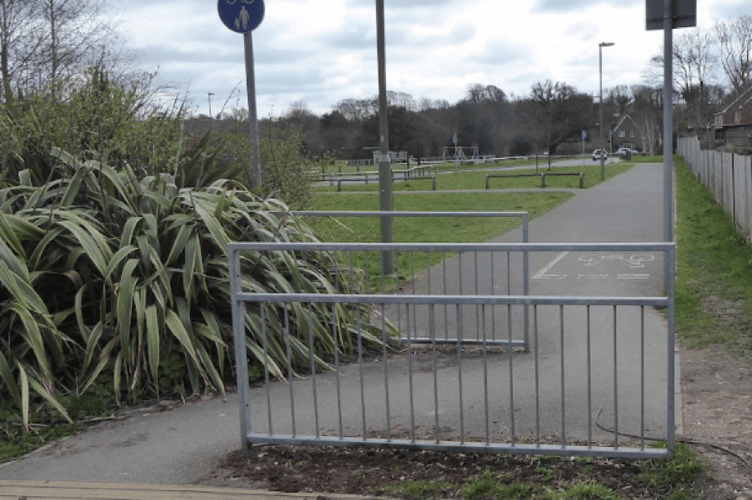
x,y
436,277
592,359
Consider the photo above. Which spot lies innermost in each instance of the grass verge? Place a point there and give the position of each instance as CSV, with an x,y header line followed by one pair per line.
x,y
714,265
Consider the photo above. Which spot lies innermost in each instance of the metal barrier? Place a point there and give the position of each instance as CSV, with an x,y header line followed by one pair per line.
x,y
578,174
440,278
590,356
542,177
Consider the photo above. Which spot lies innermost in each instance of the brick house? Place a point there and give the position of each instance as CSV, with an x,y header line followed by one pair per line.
x,y
627,134
733,125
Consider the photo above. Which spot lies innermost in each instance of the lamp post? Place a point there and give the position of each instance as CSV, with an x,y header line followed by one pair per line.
x,y
600,74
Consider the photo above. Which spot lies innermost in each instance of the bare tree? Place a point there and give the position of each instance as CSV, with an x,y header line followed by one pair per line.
x,y
355,109
648,114
694,65
42,41
400,100
17,41
556,112
621,97
735,40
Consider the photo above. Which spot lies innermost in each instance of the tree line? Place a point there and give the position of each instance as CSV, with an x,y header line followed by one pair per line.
x,y
711,67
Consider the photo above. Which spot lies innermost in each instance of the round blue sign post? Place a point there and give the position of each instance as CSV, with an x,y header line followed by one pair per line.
x,y
244,16
241,16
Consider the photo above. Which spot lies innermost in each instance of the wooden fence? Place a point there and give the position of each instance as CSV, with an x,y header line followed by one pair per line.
x,y
727,176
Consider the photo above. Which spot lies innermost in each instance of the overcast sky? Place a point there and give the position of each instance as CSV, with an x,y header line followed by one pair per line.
x,y
320,52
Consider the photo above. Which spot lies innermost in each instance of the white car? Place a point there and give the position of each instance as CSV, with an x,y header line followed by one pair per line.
x,y
600,153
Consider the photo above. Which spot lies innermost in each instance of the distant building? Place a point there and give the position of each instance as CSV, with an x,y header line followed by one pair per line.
x,y
733,125
627,134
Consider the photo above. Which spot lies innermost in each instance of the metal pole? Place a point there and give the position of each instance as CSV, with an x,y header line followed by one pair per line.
x,y
385,164
600,75
668,139
600,105
668,126
252,114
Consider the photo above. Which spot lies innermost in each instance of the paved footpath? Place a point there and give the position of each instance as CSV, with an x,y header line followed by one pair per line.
x,y
142,455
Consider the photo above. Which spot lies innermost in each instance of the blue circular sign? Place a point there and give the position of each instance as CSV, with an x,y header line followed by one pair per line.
x,y
241,16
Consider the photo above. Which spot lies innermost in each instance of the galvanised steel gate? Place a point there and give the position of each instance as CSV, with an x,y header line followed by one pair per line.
x,y
597,380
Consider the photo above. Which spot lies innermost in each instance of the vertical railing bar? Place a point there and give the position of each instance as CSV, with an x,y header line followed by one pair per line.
x,y
485,377
589,380
563,394
493,292
352,270
670,256
386,372
509,274
412,270
335,336
525,281
358,327
510,351
444,287
311,356
431,322
382,280
642,377
459,372
290,374
241,349
428,273
367,274
410,376
509,282
477,292
537,376
267,382
459,263
616,387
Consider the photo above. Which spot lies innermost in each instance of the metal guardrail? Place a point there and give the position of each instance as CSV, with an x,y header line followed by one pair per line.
x,y
525,280
586,352
542,177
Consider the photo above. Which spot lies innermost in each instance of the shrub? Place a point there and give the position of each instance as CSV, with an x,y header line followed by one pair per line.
x,y
117,271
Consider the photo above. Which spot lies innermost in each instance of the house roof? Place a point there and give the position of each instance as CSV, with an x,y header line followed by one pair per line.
x,y
624,119
744,97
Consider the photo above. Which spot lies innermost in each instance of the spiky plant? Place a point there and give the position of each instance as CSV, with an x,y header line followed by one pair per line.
x,y
103,272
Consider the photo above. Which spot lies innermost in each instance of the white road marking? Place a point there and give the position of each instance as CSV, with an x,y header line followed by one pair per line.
x,y
541,275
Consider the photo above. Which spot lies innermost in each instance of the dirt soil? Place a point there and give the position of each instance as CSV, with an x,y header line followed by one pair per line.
x,y
716,423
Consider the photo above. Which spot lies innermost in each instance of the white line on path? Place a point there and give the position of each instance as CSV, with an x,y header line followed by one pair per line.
x,y
541,275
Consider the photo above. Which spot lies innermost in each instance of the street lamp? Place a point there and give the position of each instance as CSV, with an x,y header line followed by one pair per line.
x,y
600,73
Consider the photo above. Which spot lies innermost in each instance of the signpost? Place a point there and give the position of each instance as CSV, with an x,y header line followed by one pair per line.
x,y
666,15
244,16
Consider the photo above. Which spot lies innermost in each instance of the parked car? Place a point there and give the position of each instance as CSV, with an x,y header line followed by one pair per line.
x,y
627,152
600,153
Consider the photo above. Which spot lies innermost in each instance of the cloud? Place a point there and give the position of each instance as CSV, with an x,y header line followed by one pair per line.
x,y
323,52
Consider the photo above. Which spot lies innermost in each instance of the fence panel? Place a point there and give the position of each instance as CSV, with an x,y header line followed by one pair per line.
x,y
726,176
586,386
